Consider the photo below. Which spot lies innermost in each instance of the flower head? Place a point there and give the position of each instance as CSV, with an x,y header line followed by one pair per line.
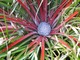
x,y
44,29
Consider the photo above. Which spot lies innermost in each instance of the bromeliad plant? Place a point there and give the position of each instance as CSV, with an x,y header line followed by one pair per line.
x,y
44,24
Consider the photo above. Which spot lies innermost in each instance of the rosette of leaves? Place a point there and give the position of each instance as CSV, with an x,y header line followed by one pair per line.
x,y
39,29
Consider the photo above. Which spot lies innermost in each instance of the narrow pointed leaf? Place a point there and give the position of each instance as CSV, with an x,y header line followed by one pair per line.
x,y
34,11
17,41
75,39
35,41
28,11
42,48
21,21
64,44
57,11
69,3
43,9
4,28
2,11
65,21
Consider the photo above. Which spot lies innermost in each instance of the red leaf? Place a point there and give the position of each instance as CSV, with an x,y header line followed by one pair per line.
x,y
64,44
35,43
17,20
66,20
71,16
4,28
22,22
2,23
2,11
75,39
33,9
37,40
33,47
58,11
17,41
28,11
43,48
43,9
69,3
69,37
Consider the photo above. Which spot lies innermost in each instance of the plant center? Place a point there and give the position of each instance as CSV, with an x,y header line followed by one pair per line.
x,y
44,29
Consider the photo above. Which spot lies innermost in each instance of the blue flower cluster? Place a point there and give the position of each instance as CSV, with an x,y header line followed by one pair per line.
x,y
44,29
